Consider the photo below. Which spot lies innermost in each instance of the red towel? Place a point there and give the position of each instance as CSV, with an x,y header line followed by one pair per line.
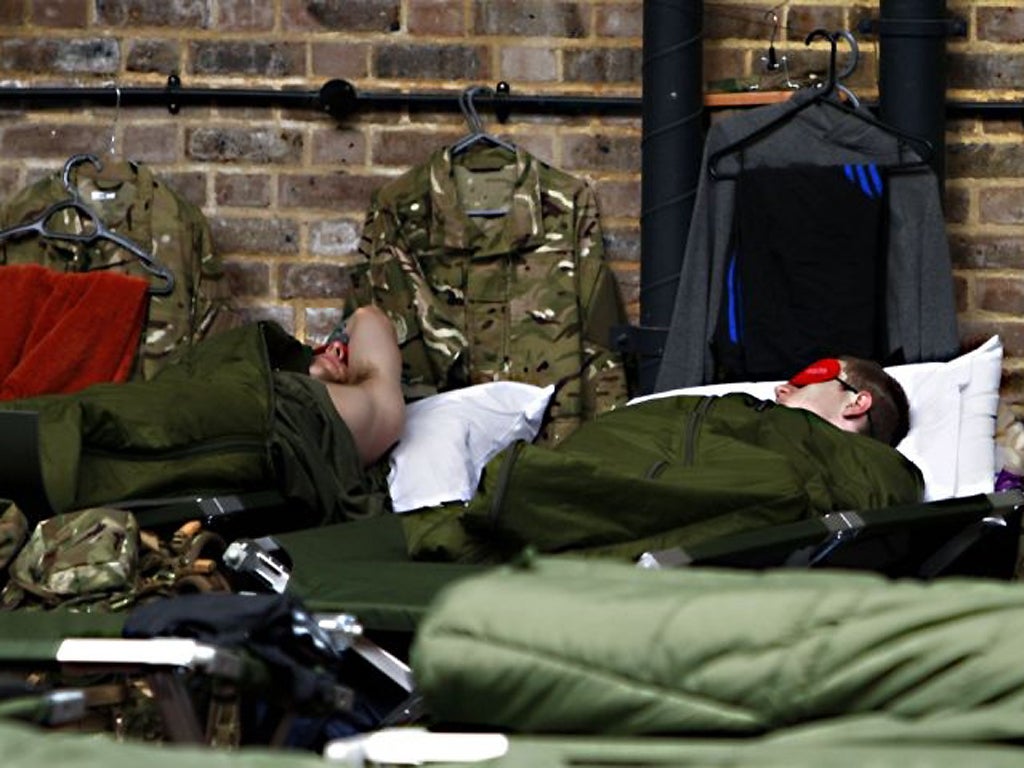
x,y
62,331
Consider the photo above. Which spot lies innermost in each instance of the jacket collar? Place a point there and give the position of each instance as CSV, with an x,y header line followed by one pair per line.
x,y
523,224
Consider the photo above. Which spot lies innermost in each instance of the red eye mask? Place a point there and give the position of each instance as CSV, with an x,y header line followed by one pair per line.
x,y
337,335
818,372
324,347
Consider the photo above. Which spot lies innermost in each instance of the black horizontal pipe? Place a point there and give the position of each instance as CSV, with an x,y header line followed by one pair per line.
x,y
339,98
336,97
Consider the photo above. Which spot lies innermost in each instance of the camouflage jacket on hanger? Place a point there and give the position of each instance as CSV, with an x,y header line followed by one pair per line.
x,y
492,268
132,202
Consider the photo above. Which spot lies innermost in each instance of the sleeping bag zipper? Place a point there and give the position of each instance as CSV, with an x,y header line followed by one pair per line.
x,y
217,445
693,428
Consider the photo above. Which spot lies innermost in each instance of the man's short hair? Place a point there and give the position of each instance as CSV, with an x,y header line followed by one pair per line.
x,y
890,409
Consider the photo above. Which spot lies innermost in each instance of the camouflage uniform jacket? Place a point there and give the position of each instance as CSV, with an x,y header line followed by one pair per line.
x,y
518,292
129,200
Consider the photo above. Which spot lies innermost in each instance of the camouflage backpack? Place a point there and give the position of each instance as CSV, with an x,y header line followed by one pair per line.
x,y
130,201
98,559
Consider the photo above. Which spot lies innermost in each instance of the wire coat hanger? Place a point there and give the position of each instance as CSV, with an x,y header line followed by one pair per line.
x,y
824,96
93,227
477,133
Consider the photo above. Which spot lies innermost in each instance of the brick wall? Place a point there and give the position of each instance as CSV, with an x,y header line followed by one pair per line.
x,y
286,189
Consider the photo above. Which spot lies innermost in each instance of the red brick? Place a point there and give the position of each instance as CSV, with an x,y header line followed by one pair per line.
x,y
335,237
150,143
283,315
991,71
313,281
984,160
256,145
341,15
30,140
974,331
336,191
247,278
603,65
405,148
1000,294
56,13
46,56
621,244
961,292
530,18
191,185
602,152
809,17
339,146
275,237
956,204
348,61
620,199
162,56
437,18
244,16
432,62
247,58
619,20
1001,206
146,13
245,190
1000,25
985,251
12,12
522,64
320,321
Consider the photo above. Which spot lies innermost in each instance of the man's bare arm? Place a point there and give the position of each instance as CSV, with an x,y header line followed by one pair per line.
x,y
365,387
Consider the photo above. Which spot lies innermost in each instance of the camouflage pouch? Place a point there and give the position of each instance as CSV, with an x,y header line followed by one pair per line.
x,y
13,532
74,557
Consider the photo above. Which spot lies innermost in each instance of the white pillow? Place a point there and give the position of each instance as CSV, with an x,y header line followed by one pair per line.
x,y
448,438
959,442
952,417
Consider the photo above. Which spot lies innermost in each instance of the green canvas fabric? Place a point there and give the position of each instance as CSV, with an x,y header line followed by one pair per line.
x,y
665,473
130,200
213,422
609,752
522,295
590,646
362,567
27,746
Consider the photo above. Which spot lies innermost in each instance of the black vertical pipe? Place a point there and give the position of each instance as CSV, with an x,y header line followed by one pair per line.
x,y
912,71
671,144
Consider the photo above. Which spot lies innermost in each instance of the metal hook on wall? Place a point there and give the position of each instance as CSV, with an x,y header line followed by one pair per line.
x,y
117,115
772,60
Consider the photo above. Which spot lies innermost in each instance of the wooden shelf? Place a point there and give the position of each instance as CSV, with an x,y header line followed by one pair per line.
x,y
746,98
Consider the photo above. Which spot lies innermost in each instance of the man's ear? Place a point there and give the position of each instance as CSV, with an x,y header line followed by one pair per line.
x,y
860,405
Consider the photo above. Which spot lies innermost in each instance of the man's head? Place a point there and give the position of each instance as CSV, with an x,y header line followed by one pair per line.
x,y
855,395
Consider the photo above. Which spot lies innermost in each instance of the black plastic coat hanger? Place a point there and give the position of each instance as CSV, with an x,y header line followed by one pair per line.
x,y
824,96
93,228
477,133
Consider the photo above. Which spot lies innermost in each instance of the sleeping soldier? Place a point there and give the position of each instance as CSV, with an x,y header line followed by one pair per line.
x,y
672,471
247,409
253,408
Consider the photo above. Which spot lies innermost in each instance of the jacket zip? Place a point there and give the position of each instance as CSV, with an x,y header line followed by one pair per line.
x,y
693,428
220,445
